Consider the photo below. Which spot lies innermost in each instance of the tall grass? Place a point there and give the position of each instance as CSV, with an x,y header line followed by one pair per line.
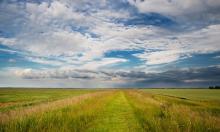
x,y
13,98
70,118
118,111
161,114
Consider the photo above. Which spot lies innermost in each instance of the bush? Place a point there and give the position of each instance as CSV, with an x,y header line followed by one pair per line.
x,y
214,87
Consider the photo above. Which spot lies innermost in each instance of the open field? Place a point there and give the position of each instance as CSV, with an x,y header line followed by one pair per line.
x,y
118,110
15,98
194,94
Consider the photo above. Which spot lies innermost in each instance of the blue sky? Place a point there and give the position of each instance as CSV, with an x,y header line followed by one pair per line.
x,y
109,43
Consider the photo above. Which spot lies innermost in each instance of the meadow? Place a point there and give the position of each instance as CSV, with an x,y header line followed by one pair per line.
x,y
109,110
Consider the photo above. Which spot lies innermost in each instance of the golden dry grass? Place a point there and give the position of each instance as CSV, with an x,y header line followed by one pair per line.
x,y
20,113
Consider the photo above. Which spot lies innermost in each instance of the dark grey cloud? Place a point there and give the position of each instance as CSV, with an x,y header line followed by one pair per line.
x,y
195,77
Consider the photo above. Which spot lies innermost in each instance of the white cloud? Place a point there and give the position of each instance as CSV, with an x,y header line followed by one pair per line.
x,y
217,57
55,43
73,37
11,60
202,41
48,32
7,41
8,50
184,45
105,62
159,57
175,7
45,61
45,13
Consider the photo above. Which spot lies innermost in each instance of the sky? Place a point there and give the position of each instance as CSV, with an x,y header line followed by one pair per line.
x,y
109,43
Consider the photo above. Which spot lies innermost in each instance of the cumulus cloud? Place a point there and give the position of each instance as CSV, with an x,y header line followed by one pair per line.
x,y
196,9
180,46
77,35
56,29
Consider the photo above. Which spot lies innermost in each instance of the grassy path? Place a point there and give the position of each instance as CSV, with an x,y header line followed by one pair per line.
x,y
117,116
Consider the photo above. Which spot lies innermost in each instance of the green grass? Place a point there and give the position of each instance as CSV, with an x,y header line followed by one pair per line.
x,y
16,98
162,113
117,115
76,117
120,111
196,94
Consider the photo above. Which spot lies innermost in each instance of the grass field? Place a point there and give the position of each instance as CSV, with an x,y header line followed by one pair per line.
x,y
15,98
110,110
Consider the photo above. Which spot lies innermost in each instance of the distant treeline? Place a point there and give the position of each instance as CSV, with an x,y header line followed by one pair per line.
x,y
214,87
